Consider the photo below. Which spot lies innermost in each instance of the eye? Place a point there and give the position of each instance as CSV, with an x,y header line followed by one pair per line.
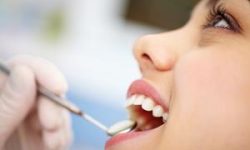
x,y
219,18
221,23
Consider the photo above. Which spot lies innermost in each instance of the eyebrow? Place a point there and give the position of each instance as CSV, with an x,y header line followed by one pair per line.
x,y
211,3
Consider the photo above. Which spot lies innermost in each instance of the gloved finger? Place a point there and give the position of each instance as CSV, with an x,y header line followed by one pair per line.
x,y
55,140
49,77
16,100
61,138
57,130
46,73
52,139
33,121
67,128
50,114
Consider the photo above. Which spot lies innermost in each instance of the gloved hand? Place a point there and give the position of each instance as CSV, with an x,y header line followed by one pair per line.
x,y
29,121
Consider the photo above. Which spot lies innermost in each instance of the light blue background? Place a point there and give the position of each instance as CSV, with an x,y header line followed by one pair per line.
x,y
93,50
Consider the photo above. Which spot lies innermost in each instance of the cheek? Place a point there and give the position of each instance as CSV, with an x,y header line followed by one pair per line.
x,y
211,97
213,75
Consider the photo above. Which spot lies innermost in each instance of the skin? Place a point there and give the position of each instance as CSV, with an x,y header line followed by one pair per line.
x,y
203,75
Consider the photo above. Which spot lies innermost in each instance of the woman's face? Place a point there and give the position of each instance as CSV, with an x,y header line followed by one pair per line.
x,y
201,73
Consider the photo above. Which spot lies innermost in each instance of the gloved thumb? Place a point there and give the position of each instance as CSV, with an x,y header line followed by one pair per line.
x,y
16,100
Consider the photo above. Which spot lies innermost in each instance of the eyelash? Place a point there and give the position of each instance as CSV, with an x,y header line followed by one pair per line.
x,y
219,13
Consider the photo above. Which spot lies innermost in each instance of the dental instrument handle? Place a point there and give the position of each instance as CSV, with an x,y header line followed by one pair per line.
x,y
71,107
61,101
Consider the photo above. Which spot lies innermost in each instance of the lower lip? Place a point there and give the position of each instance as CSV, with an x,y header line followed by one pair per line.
x,y
123,137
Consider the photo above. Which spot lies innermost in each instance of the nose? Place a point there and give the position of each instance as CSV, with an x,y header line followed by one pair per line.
x,y
156,52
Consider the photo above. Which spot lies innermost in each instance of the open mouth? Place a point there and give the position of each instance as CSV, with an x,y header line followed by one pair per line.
x,y
146,108
146,112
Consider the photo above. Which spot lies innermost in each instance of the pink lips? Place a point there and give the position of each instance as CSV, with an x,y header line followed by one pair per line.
x,y
123,137
143,88
138,87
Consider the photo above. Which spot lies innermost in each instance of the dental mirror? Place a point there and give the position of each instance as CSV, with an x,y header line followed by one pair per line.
x,y
121,127
117,128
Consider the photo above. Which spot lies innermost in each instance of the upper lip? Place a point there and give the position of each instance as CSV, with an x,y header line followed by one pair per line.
x,y
144,88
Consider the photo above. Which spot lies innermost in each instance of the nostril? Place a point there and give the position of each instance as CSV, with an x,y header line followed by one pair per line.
x,y
147,62
146,57
160,60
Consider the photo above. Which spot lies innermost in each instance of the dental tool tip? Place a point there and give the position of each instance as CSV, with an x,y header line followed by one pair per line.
x,y
121,127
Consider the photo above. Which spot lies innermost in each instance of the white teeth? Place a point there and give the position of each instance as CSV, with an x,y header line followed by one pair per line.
x,y
158,111
148,104
130,101
139,100
165,117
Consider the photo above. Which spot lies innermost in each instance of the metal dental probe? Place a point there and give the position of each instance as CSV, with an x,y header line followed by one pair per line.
x,y
120,127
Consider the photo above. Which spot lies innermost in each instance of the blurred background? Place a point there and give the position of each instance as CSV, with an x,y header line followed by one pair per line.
x,y
91,42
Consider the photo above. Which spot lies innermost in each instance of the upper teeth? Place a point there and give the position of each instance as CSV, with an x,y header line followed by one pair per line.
x,y
147,104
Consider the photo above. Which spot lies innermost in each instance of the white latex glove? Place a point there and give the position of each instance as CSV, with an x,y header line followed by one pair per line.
x,y
29,121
